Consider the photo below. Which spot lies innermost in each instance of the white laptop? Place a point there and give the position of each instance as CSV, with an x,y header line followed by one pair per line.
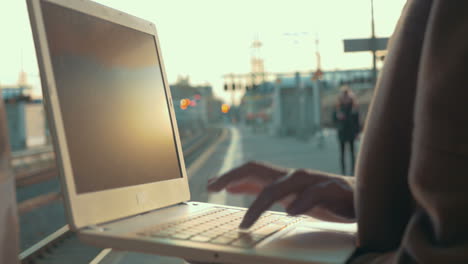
x,y
120,157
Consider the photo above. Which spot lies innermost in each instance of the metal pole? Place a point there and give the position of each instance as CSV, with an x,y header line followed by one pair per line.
x,y
277,110
316,89
316,96
233,89
318,112
301,129
373,43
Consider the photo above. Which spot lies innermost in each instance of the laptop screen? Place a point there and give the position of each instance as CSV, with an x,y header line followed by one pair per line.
x,y
112,99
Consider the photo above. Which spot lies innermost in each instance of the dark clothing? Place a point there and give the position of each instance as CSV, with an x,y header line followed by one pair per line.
x,y
348,128
412,188
347,144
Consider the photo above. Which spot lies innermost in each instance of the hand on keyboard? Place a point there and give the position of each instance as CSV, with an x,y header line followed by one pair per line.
x,y
220,226
321,195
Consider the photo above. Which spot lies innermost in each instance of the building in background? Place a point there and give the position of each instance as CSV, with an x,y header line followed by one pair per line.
x,y
284,103
26,119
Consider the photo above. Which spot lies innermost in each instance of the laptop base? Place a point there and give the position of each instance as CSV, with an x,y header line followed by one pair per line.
x,y
309,241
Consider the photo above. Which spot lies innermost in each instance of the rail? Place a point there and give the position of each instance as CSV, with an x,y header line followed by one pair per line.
x,y
44,246
27,177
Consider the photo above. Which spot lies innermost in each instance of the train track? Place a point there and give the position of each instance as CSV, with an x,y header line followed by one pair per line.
x,y
40,166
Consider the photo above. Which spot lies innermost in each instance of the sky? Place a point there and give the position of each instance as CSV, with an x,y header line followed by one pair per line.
x,y
206,39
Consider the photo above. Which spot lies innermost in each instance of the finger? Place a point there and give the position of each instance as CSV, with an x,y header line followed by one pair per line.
x,y
319,201
245,187
219,183
305,201
271,194
212,180
252,170
286,201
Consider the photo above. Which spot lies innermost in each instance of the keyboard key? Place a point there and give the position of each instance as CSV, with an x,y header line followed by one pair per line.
x,y
181,236
228,227
283,222
199,228
170,229
159,235
200,238
232,234
213,233
245,243
220,226
267,230
222,240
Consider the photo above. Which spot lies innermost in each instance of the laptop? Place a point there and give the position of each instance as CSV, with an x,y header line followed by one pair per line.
x,y
119,153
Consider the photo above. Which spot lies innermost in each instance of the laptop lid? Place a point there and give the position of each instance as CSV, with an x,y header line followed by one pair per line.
x,y
110,111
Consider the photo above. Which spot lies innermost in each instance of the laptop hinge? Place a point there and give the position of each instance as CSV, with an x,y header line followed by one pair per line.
x,y
96,228
157,209
99,227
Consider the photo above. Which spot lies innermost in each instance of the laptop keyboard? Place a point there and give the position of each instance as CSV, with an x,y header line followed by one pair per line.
x,y
221,226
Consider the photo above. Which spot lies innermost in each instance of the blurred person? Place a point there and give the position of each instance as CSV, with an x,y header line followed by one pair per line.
x,y
346,119
409,197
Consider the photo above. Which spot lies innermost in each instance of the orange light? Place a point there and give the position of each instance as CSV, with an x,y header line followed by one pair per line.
x,y
225,108
184,103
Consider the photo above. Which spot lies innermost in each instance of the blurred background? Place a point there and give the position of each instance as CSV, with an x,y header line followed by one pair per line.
x,y
250,80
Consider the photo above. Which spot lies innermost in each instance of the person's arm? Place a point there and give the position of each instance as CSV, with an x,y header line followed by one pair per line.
x,y
438,230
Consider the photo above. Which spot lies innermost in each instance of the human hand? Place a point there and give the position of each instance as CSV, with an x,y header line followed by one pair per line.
x,y
249,178
317,194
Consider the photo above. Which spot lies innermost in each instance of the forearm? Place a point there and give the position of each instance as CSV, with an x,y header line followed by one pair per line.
x,y
437,231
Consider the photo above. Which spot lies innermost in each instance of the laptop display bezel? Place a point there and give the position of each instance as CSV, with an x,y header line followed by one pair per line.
x,y
101,206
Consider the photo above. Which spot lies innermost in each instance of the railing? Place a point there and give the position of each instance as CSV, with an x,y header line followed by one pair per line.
x,y
44,246
26,176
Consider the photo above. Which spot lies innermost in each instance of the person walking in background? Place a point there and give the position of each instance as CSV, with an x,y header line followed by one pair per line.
x,y
346,119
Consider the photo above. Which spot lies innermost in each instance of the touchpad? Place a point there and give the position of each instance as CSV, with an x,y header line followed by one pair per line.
x,y
312,244
306,237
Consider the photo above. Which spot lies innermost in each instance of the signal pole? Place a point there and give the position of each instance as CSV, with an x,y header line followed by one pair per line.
x,y
316,88
373,45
